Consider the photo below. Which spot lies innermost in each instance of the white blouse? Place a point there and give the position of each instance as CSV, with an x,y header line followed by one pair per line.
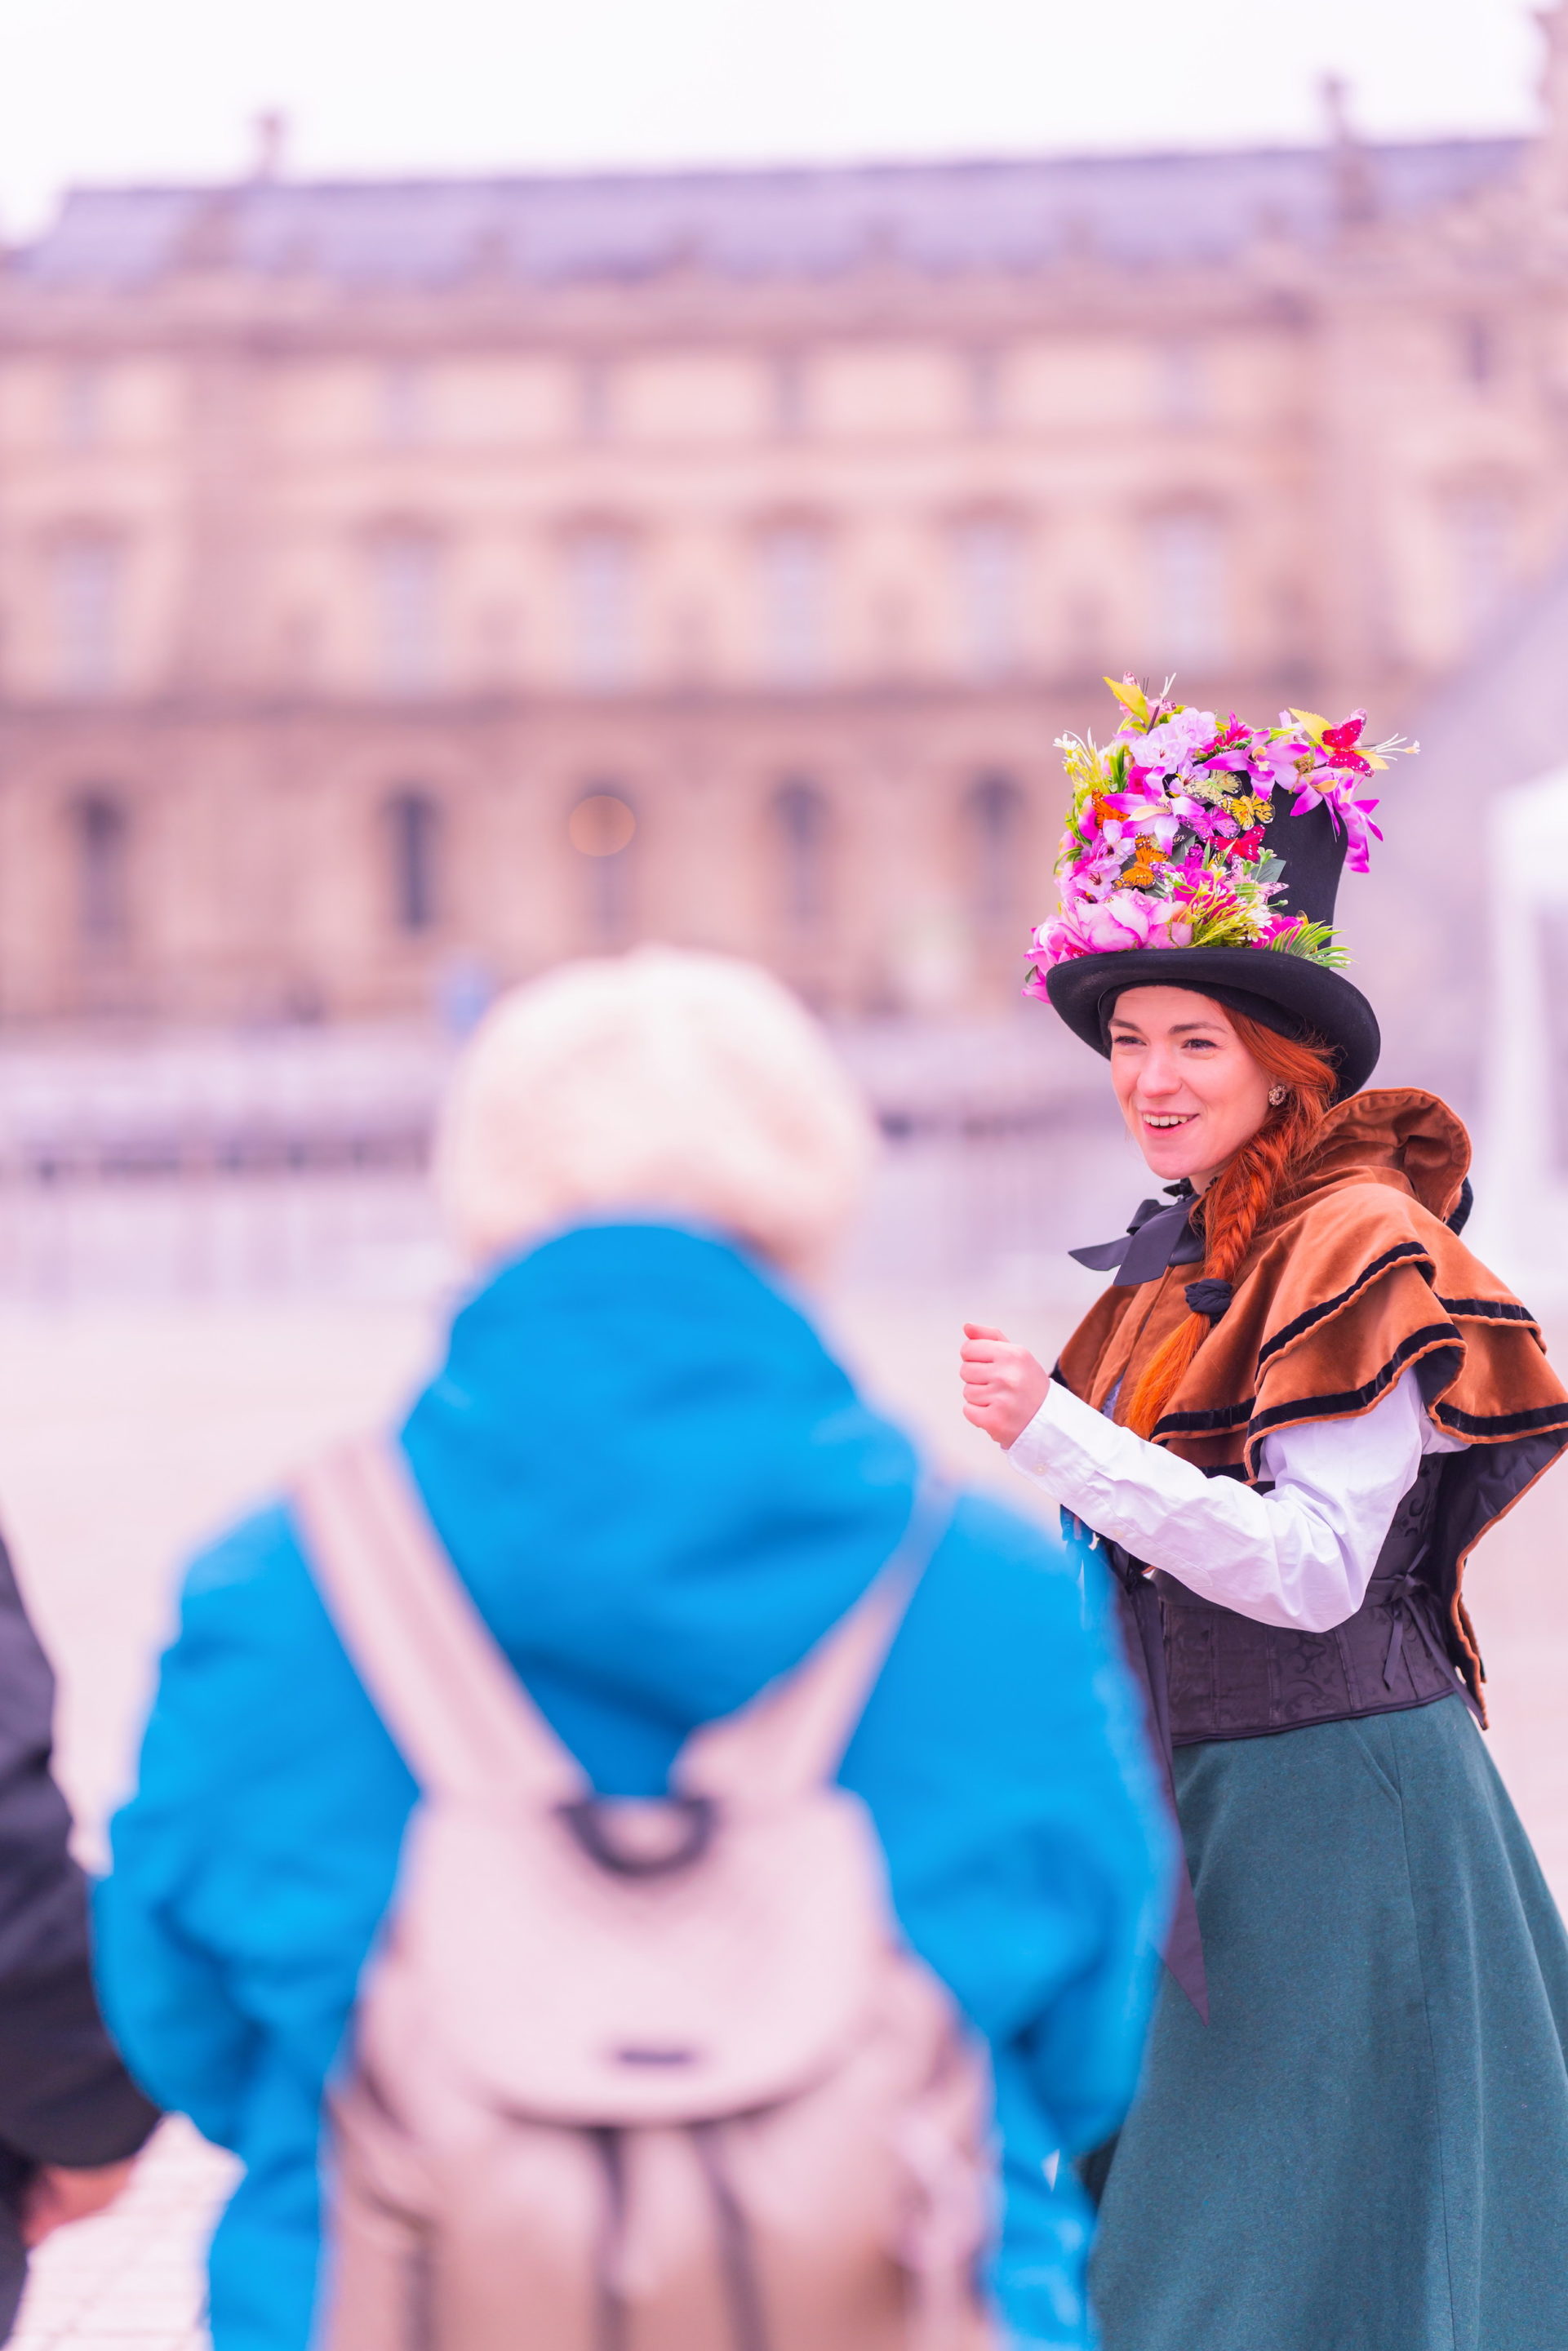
x,y
1299,1557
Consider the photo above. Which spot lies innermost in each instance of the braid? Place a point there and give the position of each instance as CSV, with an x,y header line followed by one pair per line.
x,y
1252,1187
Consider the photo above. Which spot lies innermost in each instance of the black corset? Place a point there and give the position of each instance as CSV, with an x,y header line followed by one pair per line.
x,y
1230,1678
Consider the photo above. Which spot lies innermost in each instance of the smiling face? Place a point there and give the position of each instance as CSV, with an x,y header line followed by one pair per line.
x,y
1189,1090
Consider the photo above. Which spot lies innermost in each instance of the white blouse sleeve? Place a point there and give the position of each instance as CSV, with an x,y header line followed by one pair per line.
x,y
1299,1557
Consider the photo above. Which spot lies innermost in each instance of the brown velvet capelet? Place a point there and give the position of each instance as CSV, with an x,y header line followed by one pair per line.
x,y
1360,1279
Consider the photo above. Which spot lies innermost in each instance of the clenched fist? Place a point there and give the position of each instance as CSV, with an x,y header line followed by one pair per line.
x,y
1004,1387
59,2193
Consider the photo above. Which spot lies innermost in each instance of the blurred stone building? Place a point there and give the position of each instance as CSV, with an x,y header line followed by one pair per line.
x,y
404,585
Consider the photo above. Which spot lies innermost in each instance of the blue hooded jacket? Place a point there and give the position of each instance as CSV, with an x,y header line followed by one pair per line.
x,y
661,1491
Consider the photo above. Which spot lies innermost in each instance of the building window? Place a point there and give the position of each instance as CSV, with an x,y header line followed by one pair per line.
x,y
1481,531
995,812
1184,554
894,634
791,397
600,609
595,400
299,648
102,844
87,582
985,389
81,407
498,643
406,571
800,829
794,583
414,837
603,828
404,406
691,644
1477,351
988,553
1180,390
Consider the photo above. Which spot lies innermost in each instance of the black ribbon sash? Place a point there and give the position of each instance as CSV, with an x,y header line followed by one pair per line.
x,y
1410,1599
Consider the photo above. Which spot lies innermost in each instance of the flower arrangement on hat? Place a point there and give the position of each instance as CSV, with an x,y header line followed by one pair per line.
x,y
1166,844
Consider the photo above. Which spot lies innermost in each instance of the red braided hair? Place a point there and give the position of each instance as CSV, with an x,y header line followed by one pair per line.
x,y
1253,1186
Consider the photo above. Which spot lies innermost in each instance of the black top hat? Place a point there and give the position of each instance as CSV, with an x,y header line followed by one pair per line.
x,y
1287,993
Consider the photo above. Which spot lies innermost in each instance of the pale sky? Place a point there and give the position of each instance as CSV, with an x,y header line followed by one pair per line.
x,y
136,90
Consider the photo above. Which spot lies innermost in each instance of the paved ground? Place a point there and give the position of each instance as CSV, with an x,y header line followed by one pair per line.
x,y
131,2280
127,1435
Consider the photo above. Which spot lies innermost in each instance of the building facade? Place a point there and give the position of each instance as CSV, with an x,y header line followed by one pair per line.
x,y
404,586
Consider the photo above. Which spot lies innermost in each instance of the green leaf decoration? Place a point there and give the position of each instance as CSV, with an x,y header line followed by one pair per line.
x,y
1314,942
1133,699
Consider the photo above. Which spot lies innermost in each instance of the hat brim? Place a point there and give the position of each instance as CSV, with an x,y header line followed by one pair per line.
x,y
1309,995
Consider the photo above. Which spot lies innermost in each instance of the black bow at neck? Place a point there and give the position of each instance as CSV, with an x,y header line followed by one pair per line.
x,y
1160,1235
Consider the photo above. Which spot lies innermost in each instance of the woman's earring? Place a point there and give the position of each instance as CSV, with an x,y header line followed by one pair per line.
x,y
1277,1095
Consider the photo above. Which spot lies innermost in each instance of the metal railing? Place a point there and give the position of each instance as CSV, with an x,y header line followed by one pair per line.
x,y
295,1163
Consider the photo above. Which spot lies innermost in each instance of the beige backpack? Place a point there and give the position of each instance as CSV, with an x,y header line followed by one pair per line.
x,y
636,2076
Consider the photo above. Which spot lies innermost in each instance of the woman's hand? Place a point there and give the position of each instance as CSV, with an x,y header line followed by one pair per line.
x,y
1004,1387
59,2193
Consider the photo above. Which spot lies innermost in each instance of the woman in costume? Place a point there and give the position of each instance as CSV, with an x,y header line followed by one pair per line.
x,y
1296,1409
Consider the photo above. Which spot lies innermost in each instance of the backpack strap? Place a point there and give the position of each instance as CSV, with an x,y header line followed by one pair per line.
x,y
435,1673
791,1737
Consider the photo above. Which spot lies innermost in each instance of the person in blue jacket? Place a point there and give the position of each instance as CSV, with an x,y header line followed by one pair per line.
x,y
660,1489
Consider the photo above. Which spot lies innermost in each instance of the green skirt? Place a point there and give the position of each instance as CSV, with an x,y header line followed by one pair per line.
x,y
1366,2147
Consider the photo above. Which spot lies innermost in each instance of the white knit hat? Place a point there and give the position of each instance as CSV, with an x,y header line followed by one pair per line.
x,y
662,1080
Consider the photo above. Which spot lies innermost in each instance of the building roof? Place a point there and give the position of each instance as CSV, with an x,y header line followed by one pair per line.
x,y
555,228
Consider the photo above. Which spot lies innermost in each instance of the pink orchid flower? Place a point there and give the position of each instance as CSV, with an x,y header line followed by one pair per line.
x,y
1335,790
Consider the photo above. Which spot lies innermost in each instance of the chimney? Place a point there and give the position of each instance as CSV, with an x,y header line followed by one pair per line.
x,y
271,130
1547,173
1350,166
